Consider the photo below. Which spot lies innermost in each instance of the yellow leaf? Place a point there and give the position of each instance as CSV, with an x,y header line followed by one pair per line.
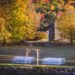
x,y
52,7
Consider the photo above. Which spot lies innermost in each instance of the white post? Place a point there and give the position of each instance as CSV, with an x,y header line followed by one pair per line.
x,y
57,37
27,52
37,57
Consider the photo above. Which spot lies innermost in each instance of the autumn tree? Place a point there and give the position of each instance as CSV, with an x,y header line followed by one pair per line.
x,y
49,10
4,33
66,23
21,22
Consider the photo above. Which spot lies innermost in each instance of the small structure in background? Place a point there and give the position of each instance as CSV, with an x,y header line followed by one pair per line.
x,y
53,61
23,60
31,48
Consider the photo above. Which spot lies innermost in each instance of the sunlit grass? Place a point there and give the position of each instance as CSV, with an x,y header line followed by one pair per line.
x,y
39,66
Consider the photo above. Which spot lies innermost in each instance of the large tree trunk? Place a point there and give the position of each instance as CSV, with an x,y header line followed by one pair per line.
x,y
52,32
4,42
71,38
13,42
71,41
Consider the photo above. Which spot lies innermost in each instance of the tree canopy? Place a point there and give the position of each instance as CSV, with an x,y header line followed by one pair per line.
x,y
49,10
21,19
66,23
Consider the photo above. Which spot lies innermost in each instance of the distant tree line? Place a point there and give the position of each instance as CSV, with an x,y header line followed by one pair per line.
x,y
24,19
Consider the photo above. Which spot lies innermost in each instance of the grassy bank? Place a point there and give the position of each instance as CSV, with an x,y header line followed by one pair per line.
x,y
23,69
